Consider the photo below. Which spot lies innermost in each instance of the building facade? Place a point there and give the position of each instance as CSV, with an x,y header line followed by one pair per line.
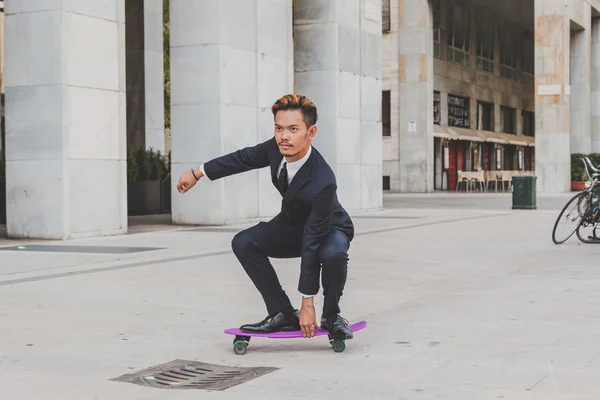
x,y
419,92
84,84
500,88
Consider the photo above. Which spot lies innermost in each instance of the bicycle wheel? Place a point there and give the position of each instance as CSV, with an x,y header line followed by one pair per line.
x,y
587,233
573,213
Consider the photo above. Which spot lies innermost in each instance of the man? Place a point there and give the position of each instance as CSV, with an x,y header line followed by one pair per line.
x,y
312,224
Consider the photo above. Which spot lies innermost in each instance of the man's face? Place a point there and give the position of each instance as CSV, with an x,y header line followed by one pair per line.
x,y
292,135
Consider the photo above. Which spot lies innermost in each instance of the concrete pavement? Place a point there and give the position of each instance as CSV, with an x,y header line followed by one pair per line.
x,y
465,299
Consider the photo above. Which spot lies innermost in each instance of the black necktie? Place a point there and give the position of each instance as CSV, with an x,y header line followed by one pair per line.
x,y
283,179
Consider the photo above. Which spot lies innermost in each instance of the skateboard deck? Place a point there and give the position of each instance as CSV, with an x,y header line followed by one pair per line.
x,y
242,339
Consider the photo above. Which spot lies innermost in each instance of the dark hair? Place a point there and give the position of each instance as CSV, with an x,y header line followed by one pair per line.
x,y
297,102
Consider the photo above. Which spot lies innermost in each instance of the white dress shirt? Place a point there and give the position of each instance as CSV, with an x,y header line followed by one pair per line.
x,y
292,168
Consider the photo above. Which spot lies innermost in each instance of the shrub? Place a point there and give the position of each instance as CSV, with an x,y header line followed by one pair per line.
x,y
147,165
578,173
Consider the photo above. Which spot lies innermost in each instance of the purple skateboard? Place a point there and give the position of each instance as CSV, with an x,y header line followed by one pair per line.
x,y
242,339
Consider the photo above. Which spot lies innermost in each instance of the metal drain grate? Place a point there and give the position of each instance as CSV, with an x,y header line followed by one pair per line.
x,y
182,374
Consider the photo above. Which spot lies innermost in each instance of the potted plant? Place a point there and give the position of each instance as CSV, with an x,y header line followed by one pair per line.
x,y
578,173
146,170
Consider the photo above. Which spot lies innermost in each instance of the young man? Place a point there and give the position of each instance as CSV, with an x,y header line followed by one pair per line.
x,y
312,224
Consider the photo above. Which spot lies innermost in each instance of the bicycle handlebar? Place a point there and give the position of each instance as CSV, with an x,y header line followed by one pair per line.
x,y
588,163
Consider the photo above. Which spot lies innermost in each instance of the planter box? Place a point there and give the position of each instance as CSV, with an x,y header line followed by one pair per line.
x,y
143,197
2,203
577,186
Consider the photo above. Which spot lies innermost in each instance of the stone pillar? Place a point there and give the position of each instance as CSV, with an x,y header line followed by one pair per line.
x,y
338,65
552,137
595,86
416,96
65,139
227,70
581,58
145,75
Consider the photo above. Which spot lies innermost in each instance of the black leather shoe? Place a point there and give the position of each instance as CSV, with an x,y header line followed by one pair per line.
x,y
337,326
280,322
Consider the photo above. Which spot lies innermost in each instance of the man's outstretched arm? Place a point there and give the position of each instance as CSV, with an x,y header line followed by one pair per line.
x,y
316,229
233,163
239,161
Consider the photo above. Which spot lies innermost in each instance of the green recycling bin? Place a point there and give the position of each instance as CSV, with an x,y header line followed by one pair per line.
x,y
524,193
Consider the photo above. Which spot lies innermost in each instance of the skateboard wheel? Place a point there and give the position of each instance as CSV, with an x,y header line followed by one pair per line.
x,y
240,348
245,339
339,346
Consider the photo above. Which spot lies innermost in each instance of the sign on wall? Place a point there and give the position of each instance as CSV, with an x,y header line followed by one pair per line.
x,y
446,157
521,160
372,9
412,126
458,111
498,158
437,110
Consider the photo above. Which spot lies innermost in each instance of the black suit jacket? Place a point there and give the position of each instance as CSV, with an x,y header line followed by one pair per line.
x,y
310,203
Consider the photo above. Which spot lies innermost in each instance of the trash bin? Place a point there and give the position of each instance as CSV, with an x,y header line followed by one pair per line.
x,y
524,193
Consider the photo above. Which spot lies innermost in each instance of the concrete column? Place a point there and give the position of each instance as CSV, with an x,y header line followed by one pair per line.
x,y
338,65
227,70
145,75
552,137
581,58
595,86
416,96
498,125
66,123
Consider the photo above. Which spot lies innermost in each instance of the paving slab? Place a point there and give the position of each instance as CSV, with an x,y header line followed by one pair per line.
x,y
465,299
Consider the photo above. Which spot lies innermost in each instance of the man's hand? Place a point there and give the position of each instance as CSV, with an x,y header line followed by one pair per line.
x,y
187,180
308,320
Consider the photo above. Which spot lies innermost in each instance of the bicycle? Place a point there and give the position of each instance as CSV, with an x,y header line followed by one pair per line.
x,y
586,211
591,217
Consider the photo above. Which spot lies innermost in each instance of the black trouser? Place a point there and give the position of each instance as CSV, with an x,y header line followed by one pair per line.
x,y
255,245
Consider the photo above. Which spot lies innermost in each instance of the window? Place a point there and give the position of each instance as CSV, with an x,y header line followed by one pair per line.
x,y
509,119
385,16
458,111
386,182
527,55
459,24
485,44
485,116
437,34
386,111
437,111
508,54
509,158
528,123
527,61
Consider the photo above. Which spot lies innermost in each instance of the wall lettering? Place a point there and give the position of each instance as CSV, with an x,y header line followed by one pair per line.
x,y
458,111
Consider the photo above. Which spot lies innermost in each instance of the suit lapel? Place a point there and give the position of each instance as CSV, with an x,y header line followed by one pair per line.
x,y
300,179
274,168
